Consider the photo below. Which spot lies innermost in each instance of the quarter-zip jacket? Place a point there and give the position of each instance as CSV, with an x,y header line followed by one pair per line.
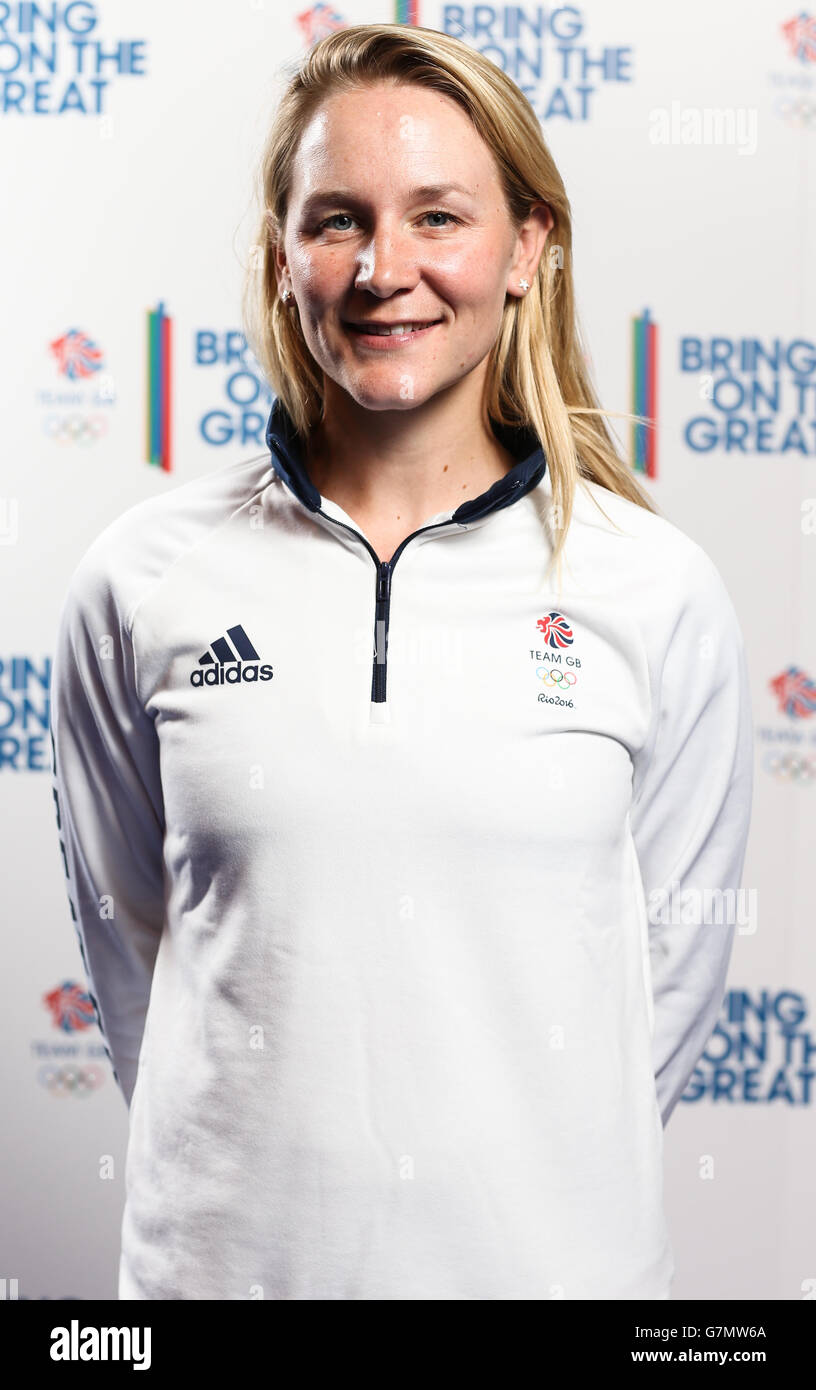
x,y
398,884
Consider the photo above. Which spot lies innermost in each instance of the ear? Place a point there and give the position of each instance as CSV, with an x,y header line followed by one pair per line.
x,y
530,242
278,253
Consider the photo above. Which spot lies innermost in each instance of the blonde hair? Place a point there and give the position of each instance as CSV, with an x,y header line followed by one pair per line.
x,y
536,372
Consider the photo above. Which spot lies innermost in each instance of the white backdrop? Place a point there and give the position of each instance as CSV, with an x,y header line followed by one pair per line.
x,y
686,141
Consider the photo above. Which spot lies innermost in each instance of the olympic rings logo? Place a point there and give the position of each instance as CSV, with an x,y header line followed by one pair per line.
x,y
75,429
71,1079
799,112
564,679
791,767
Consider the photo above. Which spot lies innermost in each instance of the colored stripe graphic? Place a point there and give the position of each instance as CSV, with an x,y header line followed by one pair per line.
x,y
406,12
159,388
644,393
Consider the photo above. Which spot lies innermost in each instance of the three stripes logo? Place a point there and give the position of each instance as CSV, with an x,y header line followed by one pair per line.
x,y
229,662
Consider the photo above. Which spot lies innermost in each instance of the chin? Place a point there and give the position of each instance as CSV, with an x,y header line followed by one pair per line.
x,y
381,398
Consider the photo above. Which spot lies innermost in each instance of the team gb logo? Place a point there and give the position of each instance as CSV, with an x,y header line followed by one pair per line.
x,y
557,631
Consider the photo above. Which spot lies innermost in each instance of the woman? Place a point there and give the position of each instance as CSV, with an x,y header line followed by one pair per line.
x,y
389,833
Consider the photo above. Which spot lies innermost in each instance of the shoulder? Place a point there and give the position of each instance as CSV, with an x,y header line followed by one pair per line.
x,y
637,530
644,574
644,547
134,551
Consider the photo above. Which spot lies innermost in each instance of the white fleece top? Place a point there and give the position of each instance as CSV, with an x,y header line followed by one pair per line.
x,y
365,865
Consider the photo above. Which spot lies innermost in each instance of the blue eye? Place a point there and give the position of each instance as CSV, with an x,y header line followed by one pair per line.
x,y
334,215
434,212
438,212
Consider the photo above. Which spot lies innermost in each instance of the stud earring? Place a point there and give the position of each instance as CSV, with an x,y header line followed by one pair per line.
x,y
525,284
286,296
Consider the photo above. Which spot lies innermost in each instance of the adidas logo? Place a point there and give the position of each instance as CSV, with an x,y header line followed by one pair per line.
x,y
230,662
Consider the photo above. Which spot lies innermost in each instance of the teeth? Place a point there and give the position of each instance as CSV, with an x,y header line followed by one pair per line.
x,y
384,331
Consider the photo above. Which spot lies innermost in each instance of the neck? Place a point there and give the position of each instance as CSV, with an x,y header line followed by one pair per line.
x,y
397,468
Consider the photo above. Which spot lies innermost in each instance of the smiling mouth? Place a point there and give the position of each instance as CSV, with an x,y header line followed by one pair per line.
x,y
392,330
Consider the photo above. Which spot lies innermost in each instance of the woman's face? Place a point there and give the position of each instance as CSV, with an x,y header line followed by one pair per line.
x,y
376,231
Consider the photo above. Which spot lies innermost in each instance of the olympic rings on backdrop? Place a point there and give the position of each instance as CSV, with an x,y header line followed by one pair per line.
x,y
75,429
797,111
71,1078
790,766
551,676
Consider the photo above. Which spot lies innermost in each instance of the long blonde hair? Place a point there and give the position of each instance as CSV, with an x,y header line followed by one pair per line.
x,y
536,372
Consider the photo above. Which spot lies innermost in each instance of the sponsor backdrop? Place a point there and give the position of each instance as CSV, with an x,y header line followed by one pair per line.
x,y
686,138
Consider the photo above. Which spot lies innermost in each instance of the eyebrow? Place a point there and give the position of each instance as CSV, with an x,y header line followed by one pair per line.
x,y
346,195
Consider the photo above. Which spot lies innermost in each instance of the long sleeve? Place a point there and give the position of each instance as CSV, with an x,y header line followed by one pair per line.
x,y
690,818
107,790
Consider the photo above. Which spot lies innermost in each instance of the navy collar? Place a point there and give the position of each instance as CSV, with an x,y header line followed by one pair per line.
x,y
522,442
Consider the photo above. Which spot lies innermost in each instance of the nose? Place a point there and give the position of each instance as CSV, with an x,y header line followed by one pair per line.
x,y
385,264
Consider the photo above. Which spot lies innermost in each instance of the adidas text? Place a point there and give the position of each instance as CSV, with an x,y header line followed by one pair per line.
x,y
233,673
